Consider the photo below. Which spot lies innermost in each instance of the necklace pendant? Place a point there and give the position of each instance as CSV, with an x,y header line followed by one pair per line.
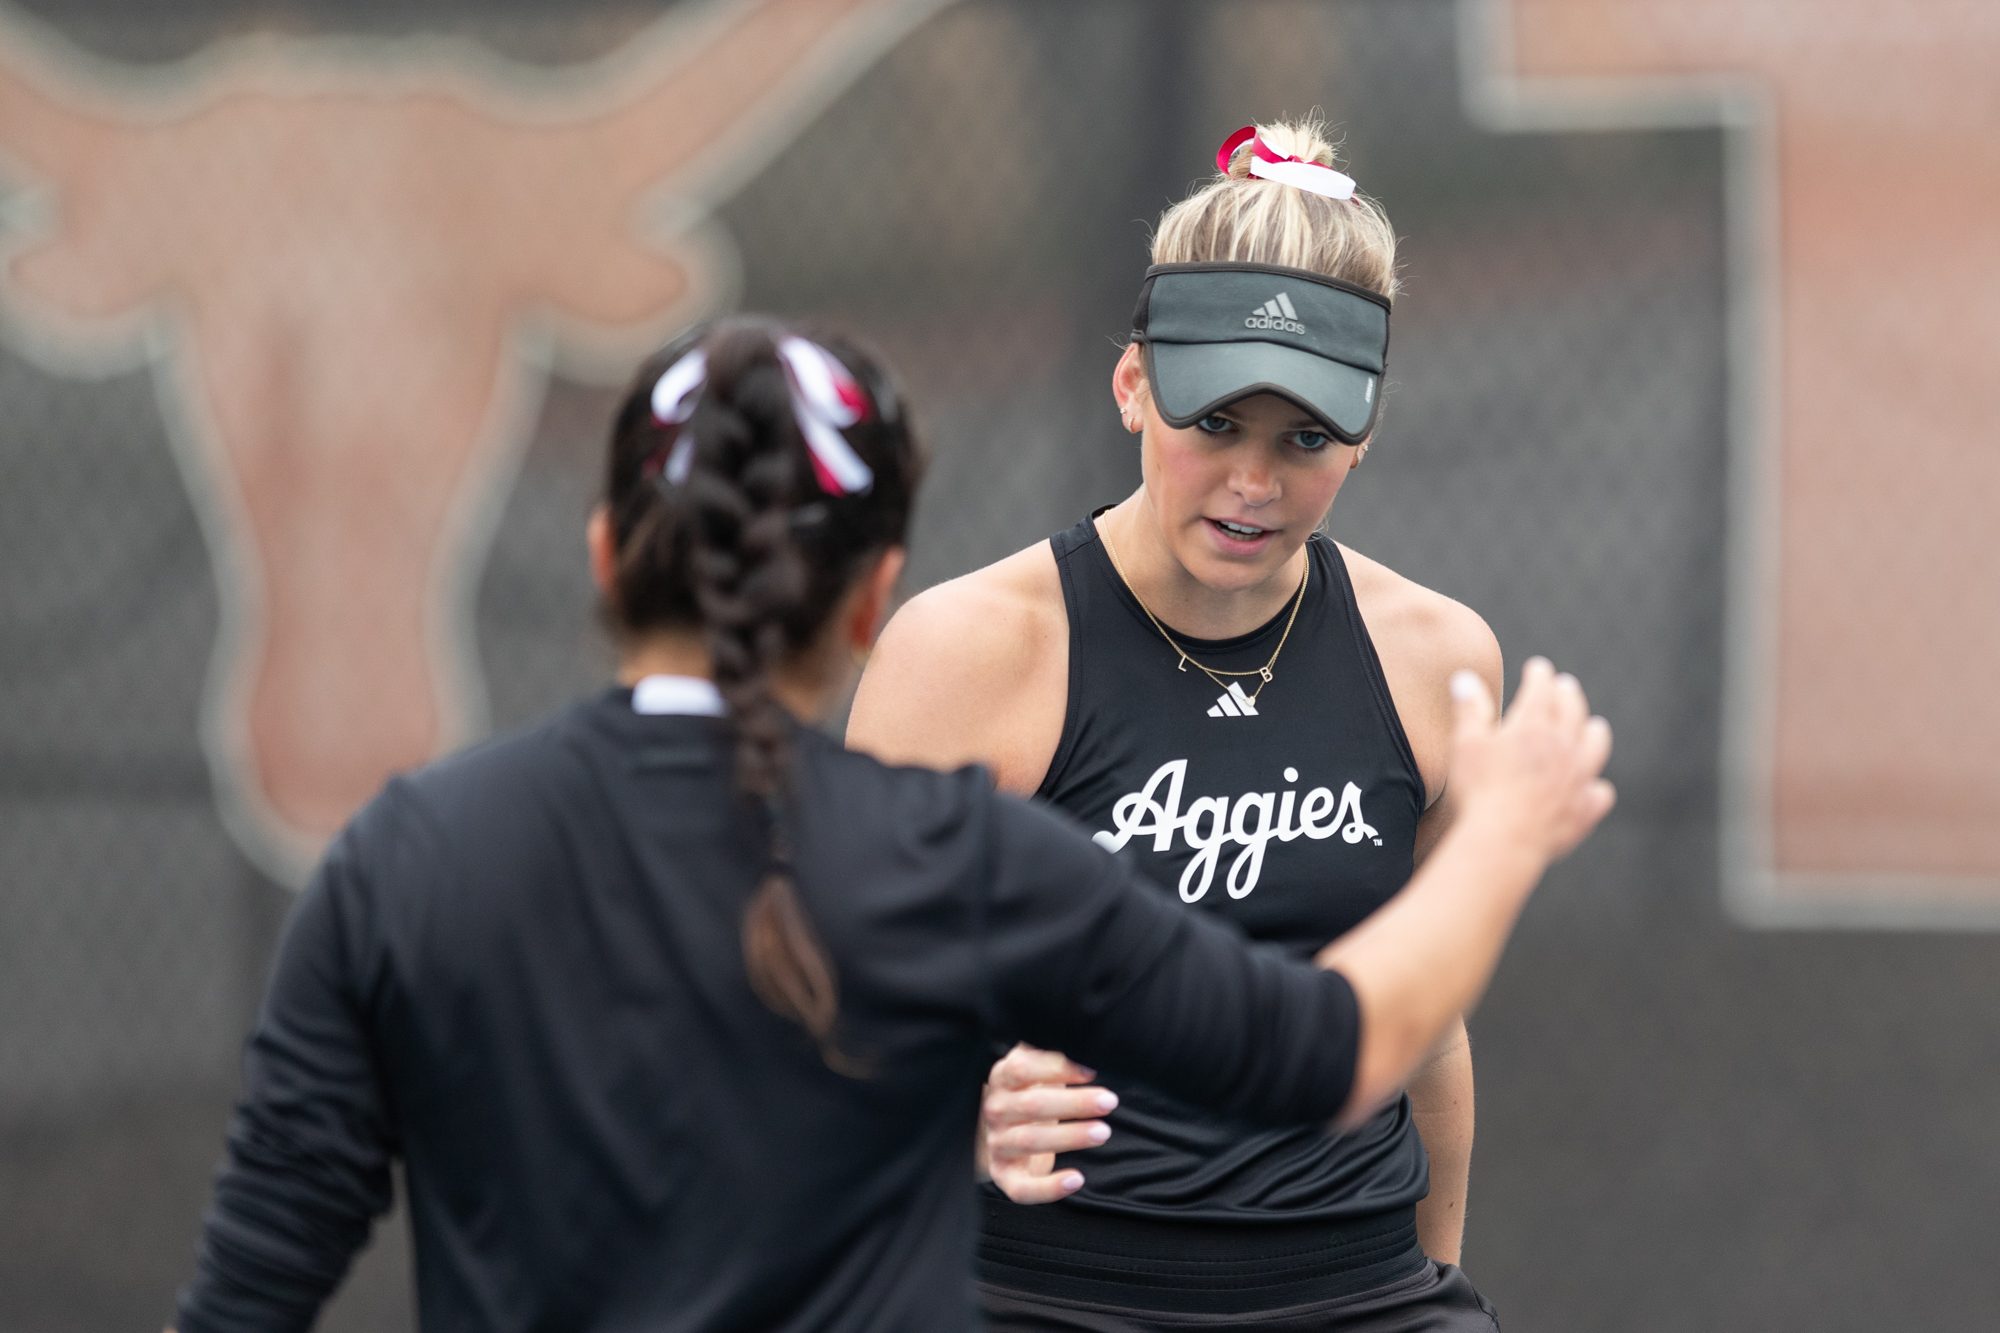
x,y
1265,672
1182,668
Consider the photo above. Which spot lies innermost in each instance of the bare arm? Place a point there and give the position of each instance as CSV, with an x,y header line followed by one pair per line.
x,y
1528,792
974,671
1422,637
1441,1102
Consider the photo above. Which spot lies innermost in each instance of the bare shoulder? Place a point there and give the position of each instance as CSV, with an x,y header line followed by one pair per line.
x,y
1416,620
1422,637
1023,591
968,671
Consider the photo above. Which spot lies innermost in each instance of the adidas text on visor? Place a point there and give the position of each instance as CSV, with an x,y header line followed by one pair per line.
x,y
1217,333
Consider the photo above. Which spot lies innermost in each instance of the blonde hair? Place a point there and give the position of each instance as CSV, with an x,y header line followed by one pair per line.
x,y
1246,219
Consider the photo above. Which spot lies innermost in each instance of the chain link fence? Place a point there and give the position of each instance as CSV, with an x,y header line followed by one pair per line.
x,y
1684,1126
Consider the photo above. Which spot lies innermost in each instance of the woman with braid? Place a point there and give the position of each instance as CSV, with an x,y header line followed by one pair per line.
x,y
676,1013
1252,715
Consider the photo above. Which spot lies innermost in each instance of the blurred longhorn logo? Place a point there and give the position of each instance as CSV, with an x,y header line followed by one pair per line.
x,y
339,257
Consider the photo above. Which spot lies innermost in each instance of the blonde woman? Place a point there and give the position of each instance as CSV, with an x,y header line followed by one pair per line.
x,y
1258,719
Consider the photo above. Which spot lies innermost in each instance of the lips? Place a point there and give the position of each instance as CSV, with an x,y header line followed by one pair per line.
x,y
1240,538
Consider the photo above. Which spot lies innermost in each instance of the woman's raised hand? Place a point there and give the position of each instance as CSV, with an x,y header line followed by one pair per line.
x,y
1537,772
1033,1109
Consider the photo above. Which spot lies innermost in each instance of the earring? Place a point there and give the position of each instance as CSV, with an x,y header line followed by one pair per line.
x,y
1131,423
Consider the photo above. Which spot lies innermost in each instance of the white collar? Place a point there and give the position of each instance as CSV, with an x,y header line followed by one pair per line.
x,y
689,695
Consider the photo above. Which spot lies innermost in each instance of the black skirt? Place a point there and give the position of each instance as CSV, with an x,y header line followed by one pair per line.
x,y
1436,1299
1078,1271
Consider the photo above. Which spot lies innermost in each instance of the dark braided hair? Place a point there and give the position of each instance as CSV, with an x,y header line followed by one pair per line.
x,y
752,552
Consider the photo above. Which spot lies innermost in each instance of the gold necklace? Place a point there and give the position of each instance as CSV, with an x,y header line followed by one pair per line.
x,y
1212,673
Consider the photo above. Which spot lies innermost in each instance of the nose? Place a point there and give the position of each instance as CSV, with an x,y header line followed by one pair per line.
x,y
1255,481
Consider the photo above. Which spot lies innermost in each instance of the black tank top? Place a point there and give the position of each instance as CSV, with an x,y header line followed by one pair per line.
x,y
1295,818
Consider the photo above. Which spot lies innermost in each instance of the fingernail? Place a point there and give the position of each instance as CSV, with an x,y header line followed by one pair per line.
x,y
1098,1133
1107,1101
1569,682
1464,685
1071,1181
1088,1074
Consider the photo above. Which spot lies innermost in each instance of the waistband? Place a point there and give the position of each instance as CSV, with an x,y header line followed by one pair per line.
x,y
1192,1267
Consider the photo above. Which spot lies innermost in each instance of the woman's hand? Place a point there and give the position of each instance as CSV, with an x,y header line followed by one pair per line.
x,y
1032,1110
1536,771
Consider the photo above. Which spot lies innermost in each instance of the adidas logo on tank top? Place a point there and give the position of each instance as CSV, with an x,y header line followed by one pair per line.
x,y
1276,313
1233,702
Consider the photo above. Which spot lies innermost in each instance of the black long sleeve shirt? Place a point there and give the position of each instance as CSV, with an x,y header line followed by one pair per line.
x,y
521,971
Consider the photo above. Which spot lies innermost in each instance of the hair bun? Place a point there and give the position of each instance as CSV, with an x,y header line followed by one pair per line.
x,y
1303,139
1340,234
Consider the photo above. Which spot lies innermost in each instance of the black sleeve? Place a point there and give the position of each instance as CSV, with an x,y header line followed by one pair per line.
x,y
310,1145
1084,958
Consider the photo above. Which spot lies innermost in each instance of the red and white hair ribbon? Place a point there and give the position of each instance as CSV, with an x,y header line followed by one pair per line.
x,y
1272,165
825,400
674,396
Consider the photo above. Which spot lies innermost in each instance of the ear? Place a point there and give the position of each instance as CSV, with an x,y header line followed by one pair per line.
x,y
871,601
1128,381
603,544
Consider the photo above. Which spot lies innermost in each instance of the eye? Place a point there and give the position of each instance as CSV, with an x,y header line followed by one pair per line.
x,y
1215,424
1312,441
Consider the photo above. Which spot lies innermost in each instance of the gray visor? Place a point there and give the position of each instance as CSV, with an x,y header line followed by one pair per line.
x,y
1218,333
